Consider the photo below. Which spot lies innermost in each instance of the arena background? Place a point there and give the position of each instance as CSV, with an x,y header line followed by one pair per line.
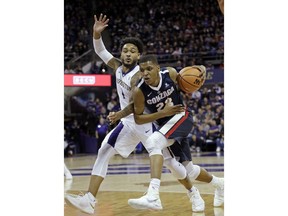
x,y
32,41
180,33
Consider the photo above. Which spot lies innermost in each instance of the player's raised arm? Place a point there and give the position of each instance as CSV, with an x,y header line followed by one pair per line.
x,y
221,5
99,47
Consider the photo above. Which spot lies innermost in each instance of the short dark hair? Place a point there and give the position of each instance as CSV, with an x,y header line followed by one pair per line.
x,y
150,57
133,40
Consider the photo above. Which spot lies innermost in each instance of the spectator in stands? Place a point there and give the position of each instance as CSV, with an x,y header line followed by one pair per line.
x,y
103,112
91,104
74,135
101,131
90,117
213,134
204,102
201,115
98,105
91,121
209,114
205,92
197,139
111,104
94,68
196,95
219,114
68,69
220,142
78,69
103,68
114,94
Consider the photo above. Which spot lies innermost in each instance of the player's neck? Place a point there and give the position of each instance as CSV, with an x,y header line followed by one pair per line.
x,y
126,69
156,82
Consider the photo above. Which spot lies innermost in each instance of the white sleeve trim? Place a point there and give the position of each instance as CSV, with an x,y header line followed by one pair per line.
x,y
101,50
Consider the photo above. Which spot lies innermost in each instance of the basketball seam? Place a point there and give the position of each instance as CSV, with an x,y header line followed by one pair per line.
x,y
181,86
189,82
186,90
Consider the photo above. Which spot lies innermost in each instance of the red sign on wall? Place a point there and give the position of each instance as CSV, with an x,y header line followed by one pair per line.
x,y
87,80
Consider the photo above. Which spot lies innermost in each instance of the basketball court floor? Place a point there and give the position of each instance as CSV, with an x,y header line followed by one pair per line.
x,y
129,178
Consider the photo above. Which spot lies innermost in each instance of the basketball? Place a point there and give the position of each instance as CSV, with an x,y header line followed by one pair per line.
x,y
191,78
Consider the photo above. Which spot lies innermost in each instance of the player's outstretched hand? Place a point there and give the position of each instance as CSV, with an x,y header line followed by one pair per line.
x,y
100,24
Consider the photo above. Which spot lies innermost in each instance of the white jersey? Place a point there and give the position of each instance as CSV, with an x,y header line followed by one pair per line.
x,y
123,84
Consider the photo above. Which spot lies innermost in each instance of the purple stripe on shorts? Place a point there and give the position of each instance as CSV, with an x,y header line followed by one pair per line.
x,y
153,127
113,137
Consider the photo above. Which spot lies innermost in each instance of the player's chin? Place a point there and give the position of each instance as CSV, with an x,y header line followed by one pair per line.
x,y
128,63
147,81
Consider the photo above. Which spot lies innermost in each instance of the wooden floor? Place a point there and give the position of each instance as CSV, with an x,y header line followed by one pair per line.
x,y
129,178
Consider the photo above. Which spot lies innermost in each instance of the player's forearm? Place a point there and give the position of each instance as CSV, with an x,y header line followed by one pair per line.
x,y
101,50
96,35
103,53
145,118
126,111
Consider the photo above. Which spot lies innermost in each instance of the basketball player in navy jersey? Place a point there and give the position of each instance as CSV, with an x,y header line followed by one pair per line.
x,y
158,95
126,135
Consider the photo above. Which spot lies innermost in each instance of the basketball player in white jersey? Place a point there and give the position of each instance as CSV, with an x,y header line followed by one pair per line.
x,y
126,135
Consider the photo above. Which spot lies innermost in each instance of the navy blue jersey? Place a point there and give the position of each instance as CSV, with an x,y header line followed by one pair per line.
x,y
157,97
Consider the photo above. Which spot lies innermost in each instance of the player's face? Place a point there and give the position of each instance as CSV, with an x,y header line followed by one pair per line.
x,y
150,72
129,55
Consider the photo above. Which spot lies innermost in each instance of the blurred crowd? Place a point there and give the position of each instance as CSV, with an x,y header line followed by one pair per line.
x,y
207,106
181,31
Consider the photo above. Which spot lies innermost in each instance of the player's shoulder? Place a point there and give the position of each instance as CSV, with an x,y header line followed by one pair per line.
x,y
140,83
171,70
138,91
135,79
172,73
164,70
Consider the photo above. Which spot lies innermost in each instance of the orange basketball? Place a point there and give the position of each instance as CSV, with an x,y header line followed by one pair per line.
x,y
190,79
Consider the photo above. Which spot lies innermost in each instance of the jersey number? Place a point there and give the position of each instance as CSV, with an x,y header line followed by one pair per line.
x,y
161,105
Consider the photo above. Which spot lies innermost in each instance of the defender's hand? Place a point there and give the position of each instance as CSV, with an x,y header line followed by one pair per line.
x,y
113,117
100,24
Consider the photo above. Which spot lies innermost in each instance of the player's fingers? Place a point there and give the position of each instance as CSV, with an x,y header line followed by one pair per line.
x,y
106,21
178,109
95,18
178,105
112,121
101,16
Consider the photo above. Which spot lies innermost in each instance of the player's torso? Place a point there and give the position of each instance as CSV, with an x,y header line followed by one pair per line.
x,y
157,97
123,84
